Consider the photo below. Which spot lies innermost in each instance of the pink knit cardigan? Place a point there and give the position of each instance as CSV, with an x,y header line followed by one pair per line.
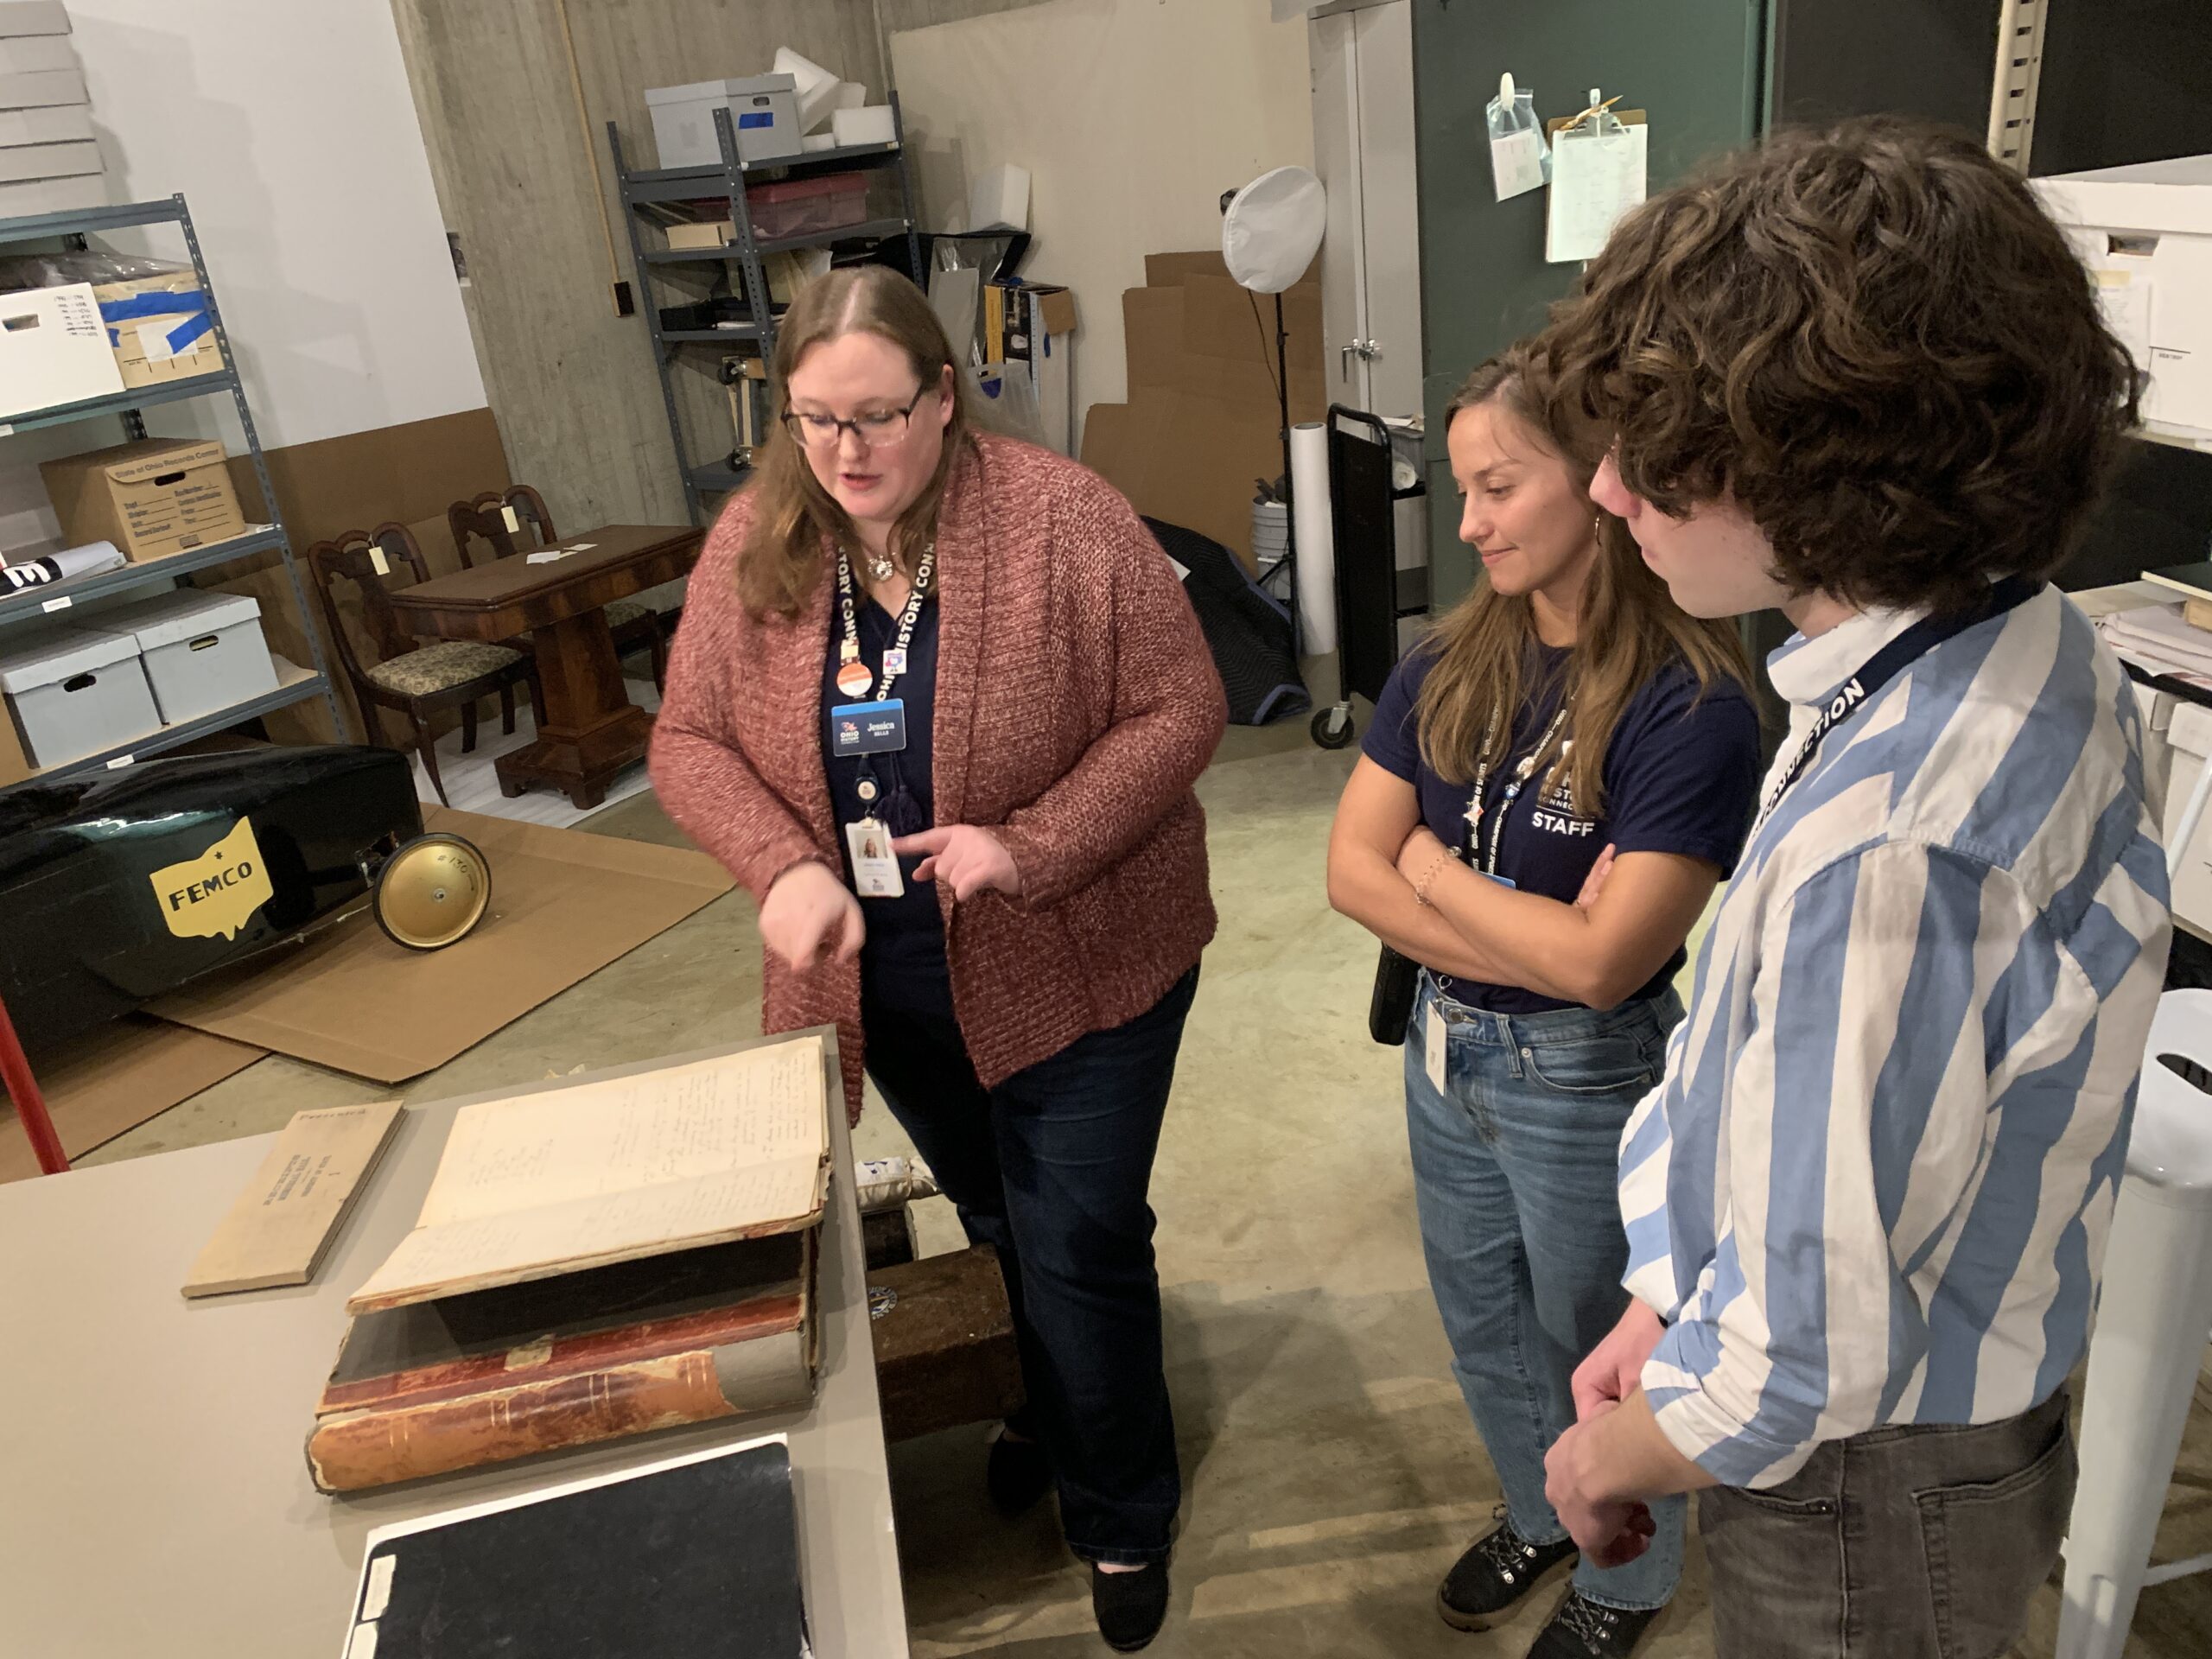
x,y
1076,705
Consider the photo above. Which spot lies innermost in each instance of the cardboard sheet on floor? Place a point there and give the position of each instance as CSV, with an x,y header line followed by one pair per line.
x,y
564,904
114,1080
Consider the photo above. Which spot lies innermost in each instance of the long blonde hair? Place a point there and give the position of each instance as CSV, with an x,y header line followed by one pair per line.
x,y
1629,629
793,517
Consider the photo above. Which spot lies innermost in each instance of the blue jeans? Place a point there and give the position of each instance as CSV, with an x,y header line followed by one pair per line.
x,y
1514,1168
1052,1169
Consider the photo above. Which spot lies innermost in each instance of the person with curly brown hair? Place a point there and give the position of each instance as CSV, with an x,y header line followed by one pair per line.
x,y
1858,375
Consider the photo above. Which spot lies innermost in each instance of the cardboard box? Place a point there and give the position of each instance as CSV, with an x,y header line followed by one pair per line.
x,y
1202,422
763,114
202,651
63,123
75,691
27,54
21,162
152,497
159,327
2145,234
52,349
707,234
53,196
15,764
37,88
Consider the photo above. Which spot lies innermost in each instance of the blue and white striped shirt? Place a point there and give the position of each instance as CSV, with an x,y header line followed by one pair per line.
x,y
1874,1185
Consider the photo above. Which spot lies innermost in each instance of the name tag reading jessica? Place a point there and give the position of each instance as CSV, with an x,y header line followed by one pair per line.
x,y
869,727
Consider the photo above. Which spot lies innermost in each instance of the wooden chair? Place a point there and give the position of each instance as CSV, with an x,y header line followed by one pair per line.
x,y
415,679
636,626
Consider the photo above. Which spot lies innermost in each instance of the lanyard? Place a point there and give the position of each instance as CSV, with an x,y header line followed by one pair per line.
x,y
848,650
1885,665
1513,788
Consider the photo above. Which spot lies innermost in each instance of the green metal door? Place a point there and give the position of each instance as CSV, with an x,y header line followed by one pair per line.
x,y
1696,66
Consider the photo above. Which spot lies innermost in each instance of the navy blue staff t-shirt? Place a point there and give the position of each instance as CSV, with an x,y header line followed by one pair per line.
x,y
903,964
1681,776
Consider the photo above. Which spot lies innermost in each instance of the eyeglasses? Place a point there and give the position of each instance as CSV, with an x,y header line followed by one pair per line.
x,y
878,429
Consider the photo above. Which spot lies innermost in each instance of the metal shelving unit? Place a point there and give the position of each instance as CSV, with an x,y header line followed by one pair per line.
x,y
725,182
294,683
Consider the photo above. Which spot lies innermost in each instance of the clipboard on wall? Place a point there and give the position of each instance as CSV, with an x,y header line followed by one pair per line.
x,y
1598,173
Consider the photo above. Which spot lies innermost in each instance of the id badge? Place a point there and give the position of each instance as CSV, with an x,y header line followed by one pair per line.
x,y
875,867
869,727
1435,1045
1506,881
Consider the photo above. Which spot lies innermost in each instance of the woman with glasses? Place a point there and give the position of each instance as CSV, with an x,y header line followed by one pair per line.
x,y
1551,788
938,701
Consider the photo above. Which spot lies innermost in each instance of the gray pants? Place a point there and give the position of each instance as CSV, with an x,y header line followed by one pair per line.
x,y
1902,1543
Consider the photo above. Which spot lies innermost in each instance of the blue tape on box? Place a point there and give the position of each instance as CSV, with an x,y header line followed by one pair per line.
x,y
188,305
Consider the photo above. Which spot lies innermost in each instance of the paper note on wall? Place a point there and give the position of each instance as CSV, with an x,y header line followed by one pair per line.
x,y
1596,177
1516,163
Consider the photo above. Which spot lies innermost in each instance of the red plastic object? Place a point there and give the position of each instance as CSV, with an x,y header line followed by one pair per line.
x,y
807,206
30,1105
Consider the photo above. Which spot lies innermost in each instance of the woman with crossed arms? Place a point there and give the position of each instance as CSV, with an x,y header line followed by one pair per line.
x,y
1551,786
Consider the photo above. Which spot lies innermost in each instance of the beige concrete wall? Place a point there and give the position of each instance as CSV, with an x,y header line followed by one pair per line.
x,y
572,383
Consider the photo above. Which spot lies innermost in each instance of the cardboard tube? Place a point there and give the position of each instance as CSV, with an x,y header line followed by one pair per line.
x,y
1314,538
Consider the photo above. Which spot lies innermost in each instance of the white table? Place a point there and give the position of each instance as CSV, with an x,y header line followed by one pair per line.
x,y
154,1489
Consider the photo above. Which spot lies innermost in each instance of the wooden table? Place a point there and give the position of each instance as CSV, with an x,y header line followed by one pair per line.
x,y
156,1498
591,730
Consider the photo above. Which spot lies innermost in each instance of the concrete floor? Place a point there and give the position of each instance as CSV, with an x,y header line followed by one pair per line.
x,y
1332,1476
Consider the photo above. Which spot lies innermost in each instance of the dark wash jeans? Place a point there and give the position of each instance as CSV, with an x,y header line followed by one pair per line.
x,y
1052,1168
1913,1542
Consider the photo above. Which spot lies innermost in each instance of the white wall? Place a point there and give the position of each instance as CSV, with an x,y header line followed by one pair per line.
x,y
1132,117
289,126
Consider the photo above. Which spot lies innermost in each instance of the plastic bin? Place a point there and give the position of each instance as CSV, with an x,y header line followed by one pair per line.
x,y
807,206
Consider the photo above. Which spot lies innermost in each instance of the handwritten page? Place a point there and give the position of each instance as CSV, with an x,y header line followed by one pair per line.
x,y
1596,177
609,1172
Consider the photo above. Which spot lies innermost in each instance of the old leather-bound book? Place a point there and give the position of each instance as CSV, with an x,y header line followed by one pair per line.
x,y
493,1375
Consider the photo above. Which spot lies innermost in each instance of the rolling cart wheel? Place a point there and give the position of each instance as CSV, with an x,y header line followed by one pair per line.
x,y
1332,727
432,893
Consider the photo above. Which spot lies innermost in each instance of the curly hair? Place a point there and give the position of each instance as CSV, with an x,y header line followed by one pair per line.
x,y
1874,341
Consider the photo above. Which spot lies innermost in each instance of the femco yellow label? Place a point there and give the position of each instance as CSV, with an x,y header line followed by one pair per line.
x,y
217,892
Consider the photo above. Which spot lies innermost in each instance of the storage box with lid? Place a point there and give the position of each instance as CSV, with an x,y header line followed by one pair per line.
x,y
807,206
74,692
203,651
763,113
159,326
53,351
151,498
2145,234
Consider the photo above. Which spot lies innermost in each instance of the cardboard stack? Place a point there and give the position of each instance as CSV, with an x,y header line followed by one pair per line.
x,y
48,161
1201,422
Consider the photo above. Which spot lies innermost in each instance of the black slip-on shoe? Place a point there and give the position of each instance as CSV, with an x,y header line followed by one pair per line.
x,y
1129,1606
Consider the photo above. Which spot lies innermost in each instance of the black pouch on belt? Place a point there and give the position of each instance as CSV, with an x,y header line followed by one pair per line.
x,y
1396,979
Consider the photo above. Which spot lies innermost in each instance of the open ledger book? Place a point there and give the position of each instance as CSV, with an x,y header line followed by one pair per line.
x,y
543,1184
